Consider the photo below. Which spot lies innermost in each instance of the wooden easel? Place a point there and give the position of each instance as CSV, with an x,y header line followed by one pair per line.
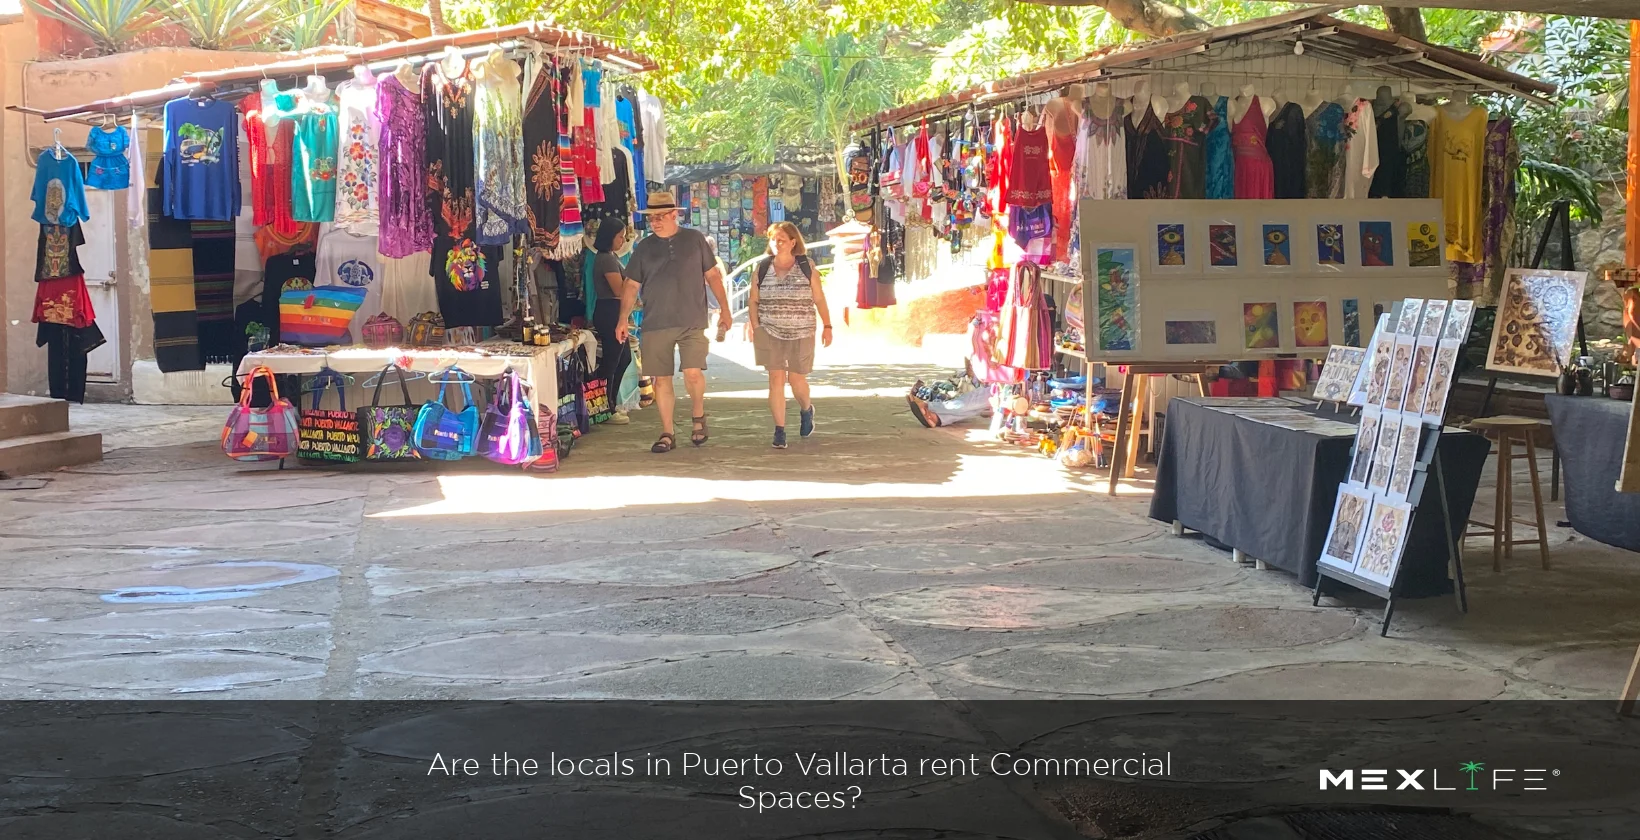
x,y
1135,389
1560,219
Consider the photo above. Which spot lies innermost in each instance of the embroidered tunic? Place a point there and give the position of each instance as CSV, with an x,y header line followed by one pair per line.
x,y
401,165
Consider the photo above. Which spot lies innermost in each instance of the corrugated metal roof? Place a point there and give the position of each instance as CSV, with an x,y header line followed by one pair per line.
x,y
1326,38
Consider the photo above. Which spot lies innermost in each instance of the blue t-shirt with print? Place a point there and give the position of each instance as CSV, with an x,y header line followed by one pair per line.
x,y
201,177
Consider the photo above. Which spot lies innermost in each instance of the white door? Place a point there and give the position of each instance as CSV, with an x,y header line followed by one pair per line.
x,y
97,257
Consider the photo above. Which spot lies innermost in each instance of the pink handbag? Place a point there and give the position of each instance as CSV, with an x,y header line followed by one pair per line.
x,y
260,434
1026,332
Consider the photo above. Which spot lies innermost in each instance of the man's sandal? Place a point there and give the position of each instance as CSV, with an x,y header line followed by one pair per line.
x,y
698,436
665,444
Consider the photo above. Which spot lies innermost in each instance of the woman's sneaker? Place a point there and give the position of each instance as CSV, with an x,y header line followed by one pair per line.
x,y
806,422
780,437
618,418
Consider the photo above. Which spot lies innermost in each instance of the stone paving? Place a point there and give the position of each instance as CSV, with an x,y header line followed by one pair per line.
x,y
877,559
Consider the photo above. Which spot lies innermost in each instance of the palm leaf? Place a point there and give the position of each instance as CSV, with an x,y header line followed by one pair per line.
x,y
111,24
307,22
1542,182
225,24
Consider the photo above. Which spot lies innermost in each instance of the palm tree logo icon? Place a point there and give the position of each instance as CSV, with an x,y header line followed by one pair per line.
x,y
1471,767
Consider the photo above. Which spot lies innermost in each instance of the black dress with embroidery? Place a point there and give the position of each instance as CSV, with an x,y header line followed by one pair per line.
x,y
1288,141
1147,158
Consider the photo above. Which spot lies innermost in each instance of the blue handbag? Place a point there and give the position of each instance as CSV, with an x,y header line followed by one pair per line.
x,y
444,435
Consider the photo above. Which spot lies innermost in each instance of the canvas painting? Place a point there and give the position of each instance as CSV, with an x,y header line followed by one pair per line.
x,y
1458,320
1352,321
1191,332
1170,245
1537,321
1261,326
1375,376
1406,455
1278,246
1221,246
1429,326
1440,381
1329,244
1400,372
1348,526
1310,323
1411,308
1118,298
1423,245
1385,538
1366,444
1377,245
1423,363
1383,454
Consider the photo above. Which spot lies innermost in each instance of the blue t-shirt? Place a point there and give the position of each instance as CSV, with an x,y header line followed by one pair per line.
x,y
59,191
201,176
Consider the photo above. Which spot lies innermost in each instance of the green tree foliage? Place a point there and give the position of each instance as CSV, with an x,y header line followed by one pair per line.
x,y
112,25
225,24
306,24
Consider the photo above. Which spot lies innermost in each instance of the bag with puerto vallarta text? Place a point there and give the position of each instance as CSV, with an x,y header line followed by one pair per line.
x,y
445,435
329,436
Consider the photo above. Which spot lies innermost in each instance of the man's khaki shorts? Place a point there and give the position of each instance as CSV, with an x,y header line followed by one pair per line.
x,y
659,347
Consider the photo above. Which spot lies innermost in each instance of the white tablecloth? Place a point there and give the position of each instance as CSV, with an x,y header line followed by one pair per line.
x,y
538,365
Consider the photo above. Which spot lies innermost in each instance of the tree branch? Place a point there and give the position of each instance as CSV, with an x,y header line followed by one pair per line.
x,y
1155,18
1408,22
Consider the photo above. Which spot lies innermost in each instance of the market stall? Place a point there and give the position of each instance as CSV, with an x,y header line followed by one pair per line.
x,y
425,207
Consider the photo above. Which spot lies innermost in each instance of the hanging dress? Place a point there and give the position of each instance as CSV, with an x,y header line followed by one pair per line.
x,y
1415,152
313,164
1147,157
1458,161
1221,162
1030,183
359,133
1390,180
109,170
1186,133
401,171
1061,165
282,164
1288,142
545,188
1325,175
1107,165
501,212
258,150
1360,150
466,277
1255,172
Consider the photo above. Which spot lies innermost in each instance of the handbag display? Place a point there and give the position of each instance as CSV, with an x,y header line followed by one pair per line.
x,y
596,392
318,317
510,434
260,434
445,435
389,430
329,436
426,330
382,331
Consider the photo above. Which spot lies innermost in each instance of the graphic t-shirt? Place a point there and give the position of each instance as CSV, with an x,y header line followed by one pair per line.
x,y
59,190
200,180
58,254
349,260
294,272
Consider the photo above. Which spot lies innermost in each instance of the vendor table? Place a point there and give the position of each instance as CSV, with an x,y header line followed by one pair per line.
x,y
1596,429
1269,491
538,365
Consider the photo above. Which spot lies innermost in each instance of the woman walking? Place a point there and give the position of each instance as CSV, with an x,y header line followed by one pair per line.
x,y
609,281
785,297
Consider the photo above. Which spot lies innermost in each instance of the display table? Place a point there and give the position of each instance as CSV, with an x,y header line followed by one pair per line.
x,y
1269,491
1598,428
538,365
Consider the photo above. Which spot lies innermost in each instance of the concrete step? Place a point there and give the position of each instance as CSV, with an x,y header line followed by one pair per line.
x,y
22,416
39,453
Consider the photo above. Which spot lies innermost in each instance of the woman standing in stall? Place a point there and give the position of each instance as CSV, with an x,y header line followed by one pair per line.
x,y
785,296
608,282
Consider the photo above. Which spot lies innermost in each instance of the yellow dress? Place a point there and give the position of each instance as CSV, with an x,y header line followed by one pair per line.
x,y
1457,159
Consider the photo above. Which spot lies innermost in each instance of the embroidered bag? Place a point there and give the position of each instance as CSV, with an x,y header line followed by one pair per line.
x,y
318,317
510,434
445,435
382,331
426,330
389,430
260,434
329,436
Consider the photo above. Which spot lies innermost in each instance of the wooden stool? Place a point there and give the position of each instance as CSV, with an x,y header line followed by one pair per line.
x,y
1508,431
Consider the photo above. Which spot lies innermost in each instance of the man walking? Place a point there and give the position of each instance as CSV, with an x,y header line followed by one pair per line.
x,y
674,267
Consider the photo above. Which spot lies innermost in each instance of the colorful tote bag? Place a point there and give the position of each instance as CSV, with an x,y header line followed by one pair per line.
x,y
1026,335
389,430
445,435
260,434
510,435
325,435
318,317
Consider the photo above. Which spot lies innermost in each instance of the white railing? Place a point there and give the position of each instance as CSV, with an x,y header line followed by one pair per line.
x,y
739,281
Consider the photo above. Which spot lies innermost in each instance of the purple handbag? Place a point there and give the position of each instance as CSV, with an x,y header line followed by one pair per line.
x,y
509,435
260,434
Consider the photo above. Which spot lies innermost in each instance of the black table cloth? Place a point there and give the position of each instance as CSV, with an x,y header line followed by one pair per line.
x,y
1269,491
1589,435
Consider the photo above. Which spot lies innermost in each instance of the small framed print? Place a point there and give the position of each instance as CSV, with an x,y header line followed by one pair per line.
x,y
1424,245
1385,539
1366,444
1329,245
1261,325
1310,326
1348,528
1374,376
1377,245
1433,317
1223,247
1278,246
1172,247
1409,435
1406,322
1400,373
1383,454
1190,329
1351,308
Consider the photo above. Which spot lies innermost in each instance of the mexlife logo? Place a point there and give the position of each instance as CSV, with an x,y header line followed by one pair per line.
x,y
1471,776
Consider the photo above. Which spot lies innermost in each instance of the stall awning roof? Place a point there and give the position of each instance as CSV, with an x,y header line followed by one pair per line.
x,y
803,162
1360,48
1589,8
333,58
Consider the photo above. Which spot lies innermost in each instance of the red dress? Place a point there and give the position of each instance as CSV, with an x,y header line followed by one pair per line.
x,y
1030,185
258,152
1061,164
1255,174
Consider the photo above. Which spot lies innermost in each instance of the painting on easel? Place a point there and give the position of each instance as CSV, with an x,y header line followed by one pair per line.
x,y
1536,322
